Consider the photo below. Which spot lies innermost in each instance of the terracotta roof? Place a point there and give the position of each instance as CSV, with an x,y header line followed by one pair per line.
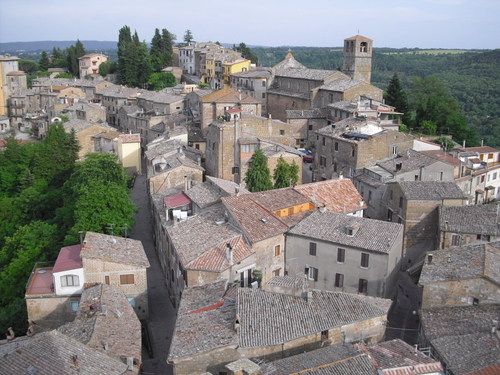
x,y
130,138
114,249
481,150
396,357
215,260
277,199
442,156
257,222
41,281
228,95
358,37
68,259
338,195
176,200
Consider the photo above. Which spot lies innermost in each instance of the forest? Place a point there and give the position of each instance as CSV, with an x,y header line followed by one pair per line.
x,y
471,77
47,198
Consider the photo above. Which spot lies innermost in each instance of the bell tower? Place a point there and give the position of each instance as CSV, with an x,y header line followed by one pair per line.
x,y
358,58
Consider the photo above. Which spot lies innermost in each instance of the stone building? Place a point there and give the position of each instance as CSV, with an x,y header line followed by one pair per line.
x,y
53,291
87,111
354,143
461,276
215,327
254,83
372,181
89,64
296,87
231,143
464,338
465,225
86,132
11,79
341,252
214,105
415,205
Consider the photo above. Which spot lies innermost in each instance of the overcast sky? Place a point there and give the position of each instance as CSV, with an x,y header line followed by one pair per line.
x,y
391,23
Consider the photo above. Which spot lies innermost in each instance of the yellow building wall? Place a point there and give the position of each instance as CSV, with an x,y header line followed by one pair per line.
x,y
129,155
3,99
233,68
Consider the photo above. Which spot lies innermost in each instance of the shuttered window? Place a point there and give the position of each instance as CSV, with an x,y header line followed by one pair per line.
x,y
127,279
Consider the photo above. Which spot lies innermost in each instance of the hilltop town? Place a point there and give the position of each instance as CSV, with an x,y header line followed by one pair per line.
x,y
286,222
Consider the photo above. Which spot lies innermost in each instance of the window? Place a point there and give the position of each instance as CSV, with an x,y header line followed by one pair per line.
x,y
336,146
264,83
389,214
400,202
263,95
416,177
70,280
312,273
322,161
312,248
106,280
277,250
73,305
353,152
363,286
282,132
127,279
324,335
391,195
369,195
440,176
365,259
340,255
339,280
483,237
394,150
309,127
335,167
455,240
277,272
324,141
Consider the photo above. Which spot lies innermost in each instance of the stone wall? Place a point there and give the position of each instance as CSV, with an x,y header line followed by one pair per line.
x,y
96,270
460,293
161,182
212,361
50,312
265,259
277,104
445,239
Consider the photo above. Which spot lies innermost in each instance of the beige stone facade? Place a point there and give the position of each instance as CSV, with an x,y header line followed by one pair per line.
x,y
89,64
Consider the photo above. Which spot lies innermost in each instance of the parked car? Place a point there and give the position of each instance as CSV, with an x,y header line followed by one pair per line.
x,y
307,155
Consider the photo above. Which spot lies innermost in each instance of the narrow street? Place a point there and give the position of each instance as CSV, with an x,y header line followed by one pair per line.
x,y
161,313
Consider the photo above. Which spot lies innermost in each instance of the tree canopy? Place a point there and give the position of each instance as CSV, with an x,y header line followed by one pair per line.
x,y
396,97
246,53
43,63
188,36
258,177
285,174
161,49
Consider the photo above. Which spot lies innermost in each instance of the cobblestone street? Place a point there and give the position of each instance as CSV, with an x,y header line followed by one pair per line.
x,y
161,313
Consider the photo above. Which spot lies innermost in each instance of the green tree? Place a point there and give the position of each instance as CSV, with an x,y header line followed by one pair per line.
x,y
64,75
246,53
108,67
58,58
74,52
428,127
396,97
188,36
28,66
161,80
43,63
285,174
258,177
124,42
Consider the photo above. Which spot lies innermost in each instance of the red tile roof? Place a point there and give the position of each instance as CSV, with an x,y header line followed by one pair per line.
x,y
176,200
68,259
338,195
490,370
442,156
215,260
481,150
130,138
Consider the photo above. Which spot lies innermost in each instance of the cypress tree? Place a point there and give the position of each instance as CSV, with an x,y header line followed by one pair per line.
x,y
43,63
258,177
396,97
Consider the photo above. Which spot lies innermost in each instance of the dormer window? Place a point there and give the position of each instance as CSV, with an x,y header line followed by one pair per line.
x,y
351,230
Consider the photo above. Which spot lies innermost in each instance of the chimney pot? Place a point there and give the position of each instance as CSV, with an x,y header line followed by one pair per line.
x,y
429,258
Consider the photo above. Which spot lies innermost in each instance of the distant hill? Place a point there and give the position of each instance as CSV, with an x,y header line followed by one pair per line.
x,y
47,45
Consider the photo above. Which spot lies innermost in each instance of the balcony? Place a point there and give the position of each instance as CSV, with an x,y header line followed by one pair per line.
x,y
41,282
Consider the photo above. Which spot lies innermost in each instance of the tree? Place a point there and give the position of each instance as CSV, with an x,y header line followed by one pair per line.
x,y
74,52
28,66
108,67
58,58
246,53
285,174
188,36
396,97
124,42
161,80
428,127
43,63
258,177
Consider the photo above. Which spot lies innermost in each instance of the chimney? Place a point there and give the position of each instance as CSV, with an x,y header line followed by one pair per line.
x,y
341,176
429,258
399,166
237,191
307,296
186,183
482,142
130,363
229,254
463,144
